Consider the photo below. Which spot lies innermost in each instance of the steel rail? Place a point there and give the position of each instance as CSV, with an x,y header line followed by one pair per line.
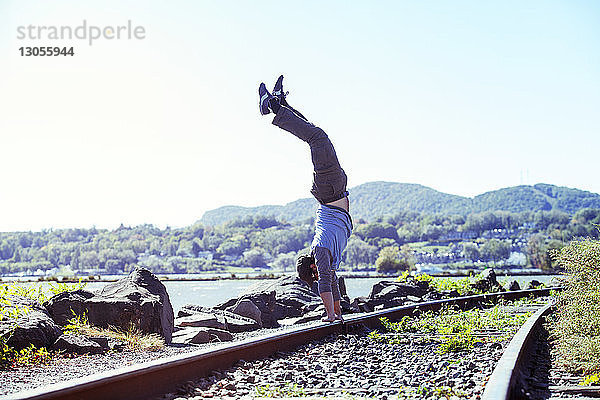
x,y
151,379
505,381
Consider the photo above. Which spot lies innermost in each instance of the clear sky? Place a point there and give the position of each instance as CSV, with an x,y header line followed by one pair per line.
x,y
461,96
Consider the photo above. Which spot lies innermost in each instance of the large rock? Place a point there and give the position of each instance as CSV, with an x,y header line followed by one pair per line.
x,y
361,304
486,282
343,291
264,300
32,326
248,309
285,297
535,284
231,322
512,285
385,288
77,344
200,319
391,294
139,299
201,335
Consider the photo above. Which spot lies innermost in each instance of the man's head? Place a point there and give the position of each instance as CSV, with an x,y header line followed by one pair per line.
x,y
307,270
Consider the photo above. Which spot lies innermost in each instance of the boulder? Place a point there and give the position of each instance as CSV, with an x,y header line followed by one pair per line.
x,y
446,294
201,335
435,295
391,294
486,282
139,299
77,344
534,284
361,304
103,341
248,309
200,319
33,325
314,315
264,300
512,285
285,297
231,322
343,291
389,289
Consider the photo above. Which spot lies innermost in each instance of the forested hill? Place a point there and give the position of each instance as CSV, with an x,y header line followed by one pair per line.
x,y
376,199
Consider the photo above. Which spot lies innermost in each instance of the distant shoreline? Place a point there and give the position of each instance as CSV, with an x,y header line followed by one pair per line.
x,y
256,277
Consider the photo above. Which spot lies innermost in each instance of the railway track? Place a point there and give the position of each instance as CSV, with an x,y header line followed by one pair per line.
x,y
526,369
154,379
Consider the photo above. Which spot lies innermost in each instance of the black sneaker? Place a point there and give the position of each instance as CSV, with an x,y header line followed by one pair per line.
x,y
278,90
264,97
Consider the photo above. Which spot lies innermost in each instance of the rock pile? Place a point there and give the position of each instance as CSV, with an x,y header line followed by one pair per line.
x,y
139,299
282,298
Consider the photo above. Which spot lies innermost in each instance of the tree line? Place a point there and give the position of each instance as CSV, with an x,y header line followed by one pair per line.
x,y
257,241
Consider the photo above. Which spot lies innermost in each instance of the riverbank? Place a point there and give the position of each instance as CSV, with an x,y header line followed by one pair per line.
x,y
233,276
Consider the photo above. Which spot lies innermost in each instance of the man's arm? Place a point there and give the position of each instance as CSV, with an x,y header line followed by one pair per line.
x,y
326,290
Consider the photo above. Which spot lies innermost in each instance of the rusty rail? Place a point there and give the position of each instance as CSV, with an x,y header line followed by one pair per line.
x,y
505,381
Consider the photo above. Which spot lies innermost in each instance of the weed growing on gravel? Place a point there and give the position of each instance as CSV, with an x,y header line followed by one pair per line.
x,y
132,336
442,392
287,390
454,330
575,327
590,380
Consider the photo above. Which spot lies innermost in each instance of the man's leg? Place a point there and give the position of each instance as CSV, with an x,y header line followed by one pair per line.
x,y
286,104
330,180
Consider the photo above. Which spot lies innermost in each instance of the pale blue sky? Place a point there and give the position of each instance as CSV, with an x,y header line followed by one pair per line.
x,y
461,96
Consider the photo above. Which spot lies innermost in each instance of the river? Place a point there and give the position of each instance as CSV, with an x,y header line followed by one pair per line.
x,y
210,293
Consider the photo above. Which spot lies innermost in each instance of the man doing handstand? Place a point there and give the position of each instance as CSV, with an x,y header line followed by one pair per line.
x,y
333,224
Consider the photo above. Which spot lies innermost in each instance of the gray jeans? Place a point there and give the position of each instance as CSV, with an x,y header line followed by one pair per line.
x,y
329,179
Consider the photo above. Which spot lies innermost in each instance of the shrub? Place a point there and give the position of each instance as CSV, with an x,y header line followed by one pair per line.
x,y
576,324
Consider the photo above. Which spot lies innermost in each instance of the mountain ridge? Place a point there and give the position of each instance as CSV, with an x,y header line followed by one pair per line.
x,y
375,199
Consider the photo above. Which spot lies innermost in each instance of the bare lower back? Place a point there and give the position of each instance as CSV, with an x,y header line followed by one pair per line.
x,y
342,203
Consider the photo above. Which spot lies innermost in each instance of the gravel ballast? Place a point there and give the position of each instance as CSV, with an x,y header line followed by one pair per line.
x,y
355,366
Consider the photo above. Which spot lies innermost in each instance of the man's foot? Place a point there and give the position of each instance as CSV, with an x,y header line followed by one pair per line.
x,y
264,96
327,319
278,90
